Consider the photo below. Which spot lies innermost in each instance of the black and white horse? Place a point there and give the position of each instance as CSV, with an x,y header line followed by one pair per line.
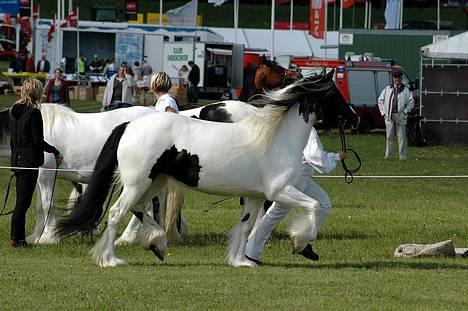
x,y
258,157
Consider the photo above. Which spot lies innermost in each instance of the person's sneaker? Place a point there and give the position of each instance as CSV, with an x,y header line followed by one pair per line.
x,y
308,253
258,262
19,244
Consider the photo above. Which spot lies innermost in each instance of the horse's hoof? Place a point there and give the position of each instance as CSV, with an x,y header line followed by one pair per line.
x,y
256,261
308,253
156,252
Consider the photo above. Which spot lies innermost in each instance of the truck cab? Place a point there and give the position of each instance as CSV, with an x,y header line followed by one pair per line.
x,y
361,83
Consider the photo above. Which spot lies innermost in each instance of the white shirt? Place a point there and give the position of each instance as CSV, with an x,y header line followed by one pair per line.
x,y
315,159
166,101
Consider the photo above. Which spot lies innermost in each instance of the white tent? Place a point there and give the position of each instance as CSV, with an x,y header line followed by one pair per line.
x,y
453,47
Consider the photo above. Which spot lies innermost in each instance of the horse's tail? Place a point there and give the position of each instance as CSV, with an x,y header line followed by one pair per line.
x,y
86,213
4,126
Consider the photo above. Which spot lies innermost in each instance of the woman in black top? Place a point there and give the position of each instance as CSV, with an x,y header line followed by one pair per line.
x,y
27,151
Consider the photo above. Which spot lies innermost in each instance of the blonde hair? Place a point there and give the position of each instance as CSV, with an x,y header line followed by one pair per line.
x,y
31,93
160,82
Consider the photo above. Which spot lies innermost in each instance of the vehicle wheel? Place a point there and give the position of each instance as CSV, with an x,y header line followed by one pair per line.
x,y
364,126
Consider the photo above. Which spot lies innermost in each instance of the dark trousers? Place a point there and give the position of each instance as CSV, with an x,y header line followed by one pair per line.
x,y
192,94
25,185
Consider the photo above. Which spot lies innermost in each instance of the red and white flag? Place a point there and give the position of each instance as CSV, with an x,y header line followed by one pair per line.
x,y
50,33
71,20
348,4
317,18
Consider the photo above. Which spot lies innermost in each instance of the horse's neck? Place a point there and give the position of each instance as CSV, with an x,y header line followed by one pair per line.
x,y
291,135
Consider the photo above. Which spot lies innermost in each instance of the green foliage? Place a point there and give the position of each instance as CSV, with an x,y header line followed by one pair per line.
x,y
357,270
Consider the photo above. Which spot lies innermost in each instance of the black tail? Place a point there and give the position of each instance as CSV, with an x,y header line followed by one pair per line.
x,y
86,213
4,126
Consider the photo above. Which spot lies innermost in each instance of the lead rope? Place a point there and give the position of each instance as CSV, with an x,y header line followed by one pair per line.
x,y
6,197
348,172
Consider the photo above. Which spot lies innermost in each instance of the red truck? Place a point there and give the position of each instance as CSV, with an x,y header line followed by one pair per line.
x,y
361,83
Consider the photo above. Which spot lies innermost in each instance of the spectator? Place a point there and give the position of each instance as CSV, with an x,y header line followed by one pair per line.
x,y
183,75
109,68
57,89
27,150
43,64
30,63
18,63
96,65
395,102
137,71
160,86
118,91
146,69
194,79
81,64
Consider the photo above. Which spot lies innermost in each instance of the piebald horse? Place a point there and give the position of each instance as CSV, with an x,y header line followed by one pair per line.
x,y
264,162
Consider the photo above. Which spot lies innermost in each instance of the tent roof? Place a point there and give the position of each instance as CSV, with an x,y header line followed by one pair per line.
x,y
453,47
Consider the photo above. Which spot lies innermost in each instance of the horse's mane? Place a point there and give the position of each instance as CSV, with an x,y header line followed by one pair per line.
x,y
51,112
271,106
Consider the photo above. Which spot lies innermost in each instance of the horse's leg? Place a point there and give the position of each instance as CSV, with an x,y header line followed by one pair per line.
x,y
103,252
45,219
238,235
293,197
130,233
306,228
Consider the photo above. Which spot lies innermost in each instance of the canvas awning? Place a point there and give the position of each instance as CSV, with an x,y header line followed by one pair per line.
x,y
453,47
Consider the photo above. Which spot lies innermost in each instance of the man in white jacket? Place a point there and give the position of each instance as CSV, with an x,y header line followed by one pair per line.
x,y
395,102
314,159
118,89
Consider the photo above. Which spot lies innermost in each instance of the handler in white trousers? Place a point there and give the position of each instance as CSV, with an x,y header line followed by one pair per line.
x,y
395,102
314,159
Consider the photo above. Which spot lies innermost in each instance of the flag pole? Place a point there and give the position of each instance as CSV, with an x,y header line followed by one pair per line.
x,y
236,19
272,29
401,14
341,14
291,15
325,28
77,41
160,12
57,39
438,14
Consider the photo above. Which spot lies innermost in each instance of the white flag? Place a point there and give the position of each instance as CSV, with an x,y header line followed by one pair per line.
x,y
185,15
392,14
217,2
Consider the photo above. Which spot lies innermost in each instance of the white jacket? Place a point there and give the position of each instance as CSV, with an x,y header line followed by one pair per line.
x,y
127,85
405,103
315,159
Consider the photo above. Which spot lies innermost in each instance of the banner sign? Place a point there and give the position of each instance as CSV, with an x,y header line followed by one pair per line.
x,y
317,19
9,6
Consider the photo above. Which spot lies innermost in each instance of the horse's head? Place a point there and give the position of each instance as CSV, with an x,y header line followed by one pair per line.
x,y
271,75
320,97
335,111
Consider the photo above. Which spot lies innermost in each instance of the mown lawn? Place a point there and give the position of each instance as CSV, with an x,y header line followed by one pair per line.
x,y
357,270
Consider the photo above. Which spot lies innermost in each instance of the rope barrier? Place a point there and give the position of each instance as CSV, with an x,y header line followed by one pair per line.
x,y
315,176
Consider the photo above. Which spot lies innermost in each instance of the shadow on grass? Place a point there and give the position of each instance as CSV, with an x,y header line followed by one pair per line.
x,y
205,239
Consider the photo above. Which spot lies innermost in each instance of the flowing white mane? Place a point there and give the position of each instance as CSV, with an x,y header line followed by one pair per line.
x,y
50,112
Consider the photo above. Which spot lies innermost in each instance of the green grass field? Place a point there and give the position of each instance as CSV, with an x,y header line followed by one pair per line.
x,y
357,270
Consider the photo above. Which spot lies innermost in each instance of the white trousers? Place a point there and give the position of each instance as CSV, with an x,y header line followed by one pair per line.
x,y
277,211
396,125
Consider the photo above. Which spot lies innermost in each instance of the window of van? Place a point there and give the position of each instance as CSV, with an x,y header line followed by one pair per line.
x,y
383,80
361,85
